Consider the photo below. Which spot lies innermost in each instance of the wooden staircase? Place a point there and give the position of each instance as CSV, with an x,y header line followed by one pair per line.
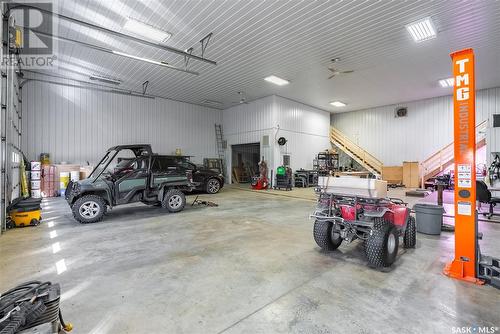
x,y
443,158
365,159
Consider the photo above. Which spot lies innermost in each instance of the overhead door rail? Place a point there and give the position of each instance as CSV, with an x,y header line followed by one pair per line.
x,y
93,86
188,55
117,53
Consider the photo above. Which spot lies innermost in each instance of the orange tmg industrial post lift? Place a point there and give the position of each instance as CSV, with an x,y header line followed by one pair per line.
x,y
469,264
463,267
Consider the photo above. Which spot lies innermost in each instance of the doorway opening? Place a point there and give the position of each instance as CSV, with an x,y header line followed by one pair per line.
x,y
245,162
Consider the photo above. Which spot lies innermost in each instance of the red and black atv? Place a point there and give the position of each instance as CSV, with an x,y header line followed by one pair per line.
x,y
379,222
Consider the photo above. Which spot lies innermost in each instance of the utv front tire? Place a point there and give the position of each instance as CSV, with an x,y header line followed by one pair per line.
x,y
174,200
89,209
410,237
381,248
325,236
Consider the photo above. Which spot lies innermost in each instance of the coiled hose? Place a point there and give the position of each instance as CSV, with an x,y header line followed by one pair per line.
x,y
19,307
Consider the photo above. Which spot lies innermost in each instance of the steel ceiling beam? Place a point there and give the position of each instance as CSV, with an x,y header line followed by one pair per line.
x,y
114,52
118,34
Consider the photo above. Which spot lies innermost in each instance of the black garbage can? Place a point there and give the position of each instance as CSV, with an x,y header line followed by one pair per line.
x,y
429,218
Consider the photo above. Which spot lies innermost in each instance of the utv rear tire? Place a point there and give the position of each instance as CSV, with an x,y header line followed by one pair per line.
x,y
174,200
89,209
325,236
381,248
410,237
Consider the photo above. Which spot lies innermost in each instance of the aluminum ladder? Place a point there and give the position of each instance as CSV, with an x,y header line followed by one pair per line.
x,y
221,150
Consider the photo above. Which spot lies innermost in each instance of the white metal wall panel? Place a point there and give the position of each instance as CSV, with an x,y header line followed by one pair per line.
x,y
254,116
427,128
248,123
300,118
77,125
306,129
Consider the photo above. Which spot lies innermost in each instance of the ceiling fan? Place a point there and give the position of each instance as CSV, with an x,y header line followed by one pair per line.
x,y
334,71
243,99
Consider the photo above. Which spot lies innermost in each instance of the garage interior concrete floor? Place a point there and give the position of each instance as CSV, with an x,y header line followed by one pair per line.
x,y
247,266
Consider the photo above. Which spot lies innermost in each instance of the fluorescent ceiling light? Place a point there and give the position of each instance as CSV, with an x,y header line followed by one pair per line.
x,y
105,79
277,81
447,82
422,30
161,63
147,31
338,104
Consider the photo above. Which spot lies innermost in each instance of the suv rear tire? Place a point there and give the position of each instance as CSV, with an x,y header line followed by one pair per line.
x,y
174,200
212,186
89,209
381,248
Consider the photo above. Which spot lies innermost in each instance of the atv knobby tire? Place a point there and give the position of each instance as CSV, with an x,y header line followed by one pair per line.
x,y
410,237
325,236
381,248
89,209
174,200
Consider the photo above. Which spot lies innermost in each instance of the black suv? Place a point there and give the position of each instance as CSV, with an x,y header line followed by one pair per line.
x,y
128,174
208,180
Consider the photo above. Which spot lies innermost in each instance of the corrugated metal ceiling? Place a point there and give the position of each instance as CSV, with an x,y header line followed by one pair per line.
x,y
291,39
